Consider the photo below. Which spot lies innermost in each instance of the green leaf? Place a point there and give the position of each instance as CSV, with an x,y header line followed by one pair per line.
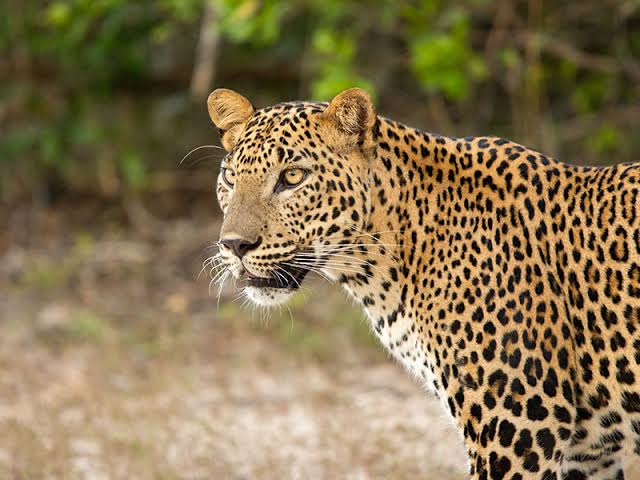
x,y
58,14
333,80
608,139
133,170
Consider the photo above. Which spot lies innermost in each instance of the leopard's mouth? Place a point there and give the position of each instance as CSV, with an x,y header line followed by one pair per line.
x,y
285,277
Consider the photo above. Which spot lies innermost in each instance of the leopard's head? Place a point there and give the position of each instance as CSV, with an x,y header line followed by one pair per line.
x,y
293,187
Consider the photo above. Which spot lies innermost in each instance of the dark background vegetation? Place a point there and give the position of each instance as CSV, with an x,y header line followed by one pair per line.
x,y
116,360
105,96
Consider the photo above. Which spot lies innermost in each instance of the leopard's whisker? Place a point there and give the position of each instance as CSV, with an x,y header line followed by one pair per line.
x,y
309,268
277,267
350,269
343,259
220,285
355,263
196,149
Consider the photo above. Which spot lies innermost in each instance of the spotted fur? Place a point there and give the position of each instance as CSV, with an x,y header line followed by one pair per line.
x,y
508,282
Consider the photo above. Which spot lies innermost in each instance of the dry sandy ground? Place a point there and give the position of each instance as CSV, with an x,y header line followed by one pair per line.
x,y
246,408
116,364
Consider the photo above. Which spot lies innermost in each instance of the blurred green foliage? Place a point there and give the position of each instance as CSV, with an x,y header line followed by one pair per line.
x,y
95,93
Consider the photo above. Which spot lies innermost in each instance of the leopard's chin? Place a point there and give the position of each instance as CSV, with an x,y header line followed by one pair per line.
x,y
269,296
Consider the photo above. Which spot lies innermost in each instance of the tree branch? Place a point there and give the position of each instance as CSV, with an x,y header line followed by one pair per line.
x,y
589,61
206,54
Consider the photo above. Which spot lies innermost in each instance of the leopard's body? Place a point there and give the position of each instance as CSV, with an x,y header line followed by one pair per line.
x,y
507,282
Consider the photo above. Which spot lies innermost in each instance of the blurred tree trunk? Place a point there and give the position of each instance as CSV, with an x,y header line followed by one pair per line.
x,y
533,82
204,69
20,54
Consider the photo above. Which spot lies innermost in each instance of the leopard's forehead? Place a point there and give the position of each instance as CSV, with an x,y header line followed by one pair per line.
x,y
276,133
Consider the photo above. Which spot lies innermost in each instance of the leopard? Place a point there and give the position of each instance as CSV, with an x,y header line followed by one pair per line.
x,y
505,281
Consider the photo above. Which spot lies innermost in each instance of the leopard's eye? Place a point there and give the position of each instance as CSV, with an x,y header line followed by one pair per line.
x,y
293,176
228,176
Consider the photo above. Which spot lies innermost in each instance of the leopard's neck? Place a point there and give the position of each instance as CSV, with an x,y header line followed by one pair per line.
x,y
434,205
404,183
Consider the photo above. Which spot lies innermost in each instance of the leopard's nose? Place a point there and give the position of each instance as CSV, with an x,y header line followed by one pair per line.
x,y
240,246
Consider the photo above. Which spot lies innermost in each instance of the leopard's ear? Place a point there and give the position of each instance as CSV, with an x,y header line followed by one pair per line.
x,y
230,112
350,119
